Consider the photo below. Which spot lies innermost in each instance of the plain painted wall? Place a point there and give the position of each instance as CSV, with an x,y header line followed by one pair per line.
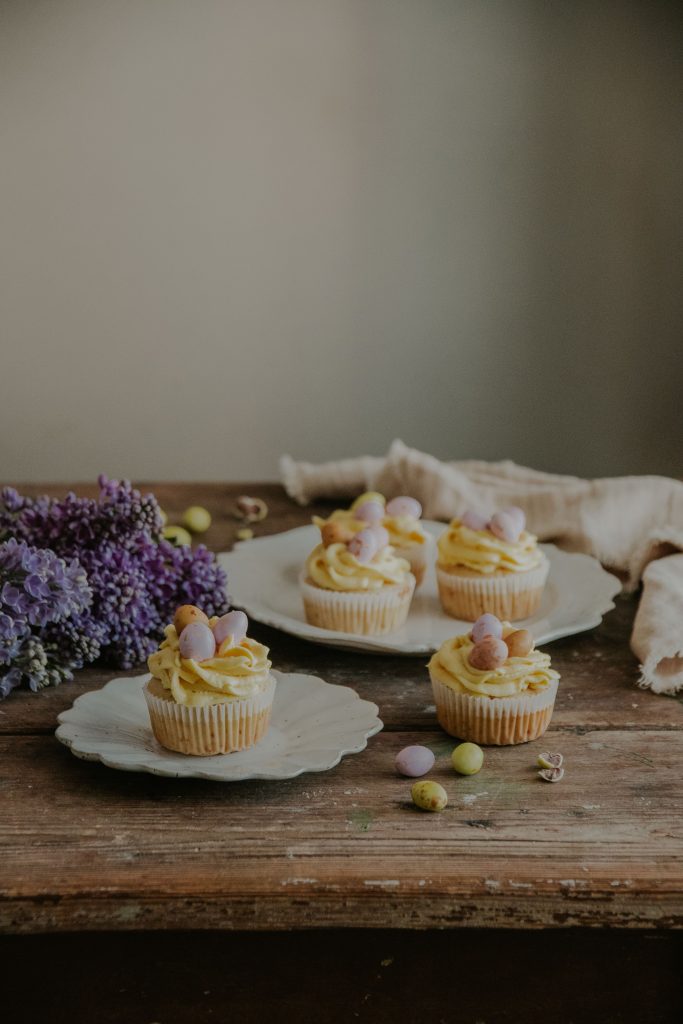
x,y
232,229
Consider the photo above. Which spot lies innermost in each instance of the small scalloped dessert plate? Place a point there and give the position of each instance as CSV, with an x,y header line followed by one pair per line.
x,y
314,724
263,579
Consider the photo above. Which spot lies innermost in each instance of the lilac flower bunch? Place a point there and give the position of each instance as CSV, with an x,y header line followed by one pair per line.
x,y
135,576
38,593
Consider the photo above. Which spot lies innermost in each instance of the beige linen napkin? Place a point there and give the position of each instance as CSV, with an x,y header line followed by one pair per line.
x,y
633,525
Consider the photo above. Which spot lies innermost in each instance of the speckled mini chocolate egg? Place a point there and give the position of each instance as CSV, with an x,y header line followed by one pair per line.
x,y
404,506
474,520
335,533
505,527
363,546
486,625
490,653
234,624
520,643
369,512
197,642
186,614
381,535
516,513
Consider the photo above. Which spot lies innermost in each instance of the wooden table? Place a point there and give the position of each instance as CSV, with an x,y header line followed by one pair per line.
x,y
485,908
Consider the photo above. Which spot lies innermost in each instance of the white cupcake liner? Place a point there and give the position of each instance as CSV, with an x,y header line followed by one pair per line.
x,y
510,595
365,613
494,721
220,728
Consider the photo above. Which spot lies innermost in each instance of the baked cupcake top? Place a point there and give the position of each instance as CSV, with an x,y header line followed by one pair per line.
x,y
493,660
348,561
400,517
207,661
487,545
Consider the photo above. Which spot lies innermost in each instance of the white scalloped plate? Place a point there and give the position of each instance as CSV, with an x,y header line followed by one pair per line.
x,y
314,724
262,577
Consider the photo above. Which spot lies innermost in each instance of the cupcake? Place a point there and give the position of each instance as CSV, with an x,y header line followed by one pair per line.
x,y
492,686
400,517
490,565
211,690
355,582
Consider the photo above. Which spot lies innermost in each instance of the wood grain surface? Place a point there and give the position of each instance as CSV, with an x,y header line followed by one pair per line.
x,y
86,848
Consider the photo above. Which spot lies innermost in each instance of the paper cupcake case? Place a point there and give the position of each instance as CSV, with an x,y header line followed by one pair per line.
x,y
212,729
367,614
511,596
494,721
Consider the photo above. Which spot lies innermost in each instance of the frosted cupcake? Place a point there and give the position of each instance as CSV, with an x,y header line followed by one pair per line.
x,y
491,565
355,582
400,517
211,690
491,685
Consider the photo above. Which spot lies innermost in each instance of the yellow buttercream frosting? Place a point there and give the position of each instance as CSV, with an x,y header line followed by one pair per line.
x,y
404,531
483,552
450,665
237,671
335,568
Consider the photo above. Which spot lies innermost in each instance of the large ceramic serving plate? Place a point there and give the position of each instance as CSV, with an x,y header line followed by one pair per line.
x,y
263,574
314,724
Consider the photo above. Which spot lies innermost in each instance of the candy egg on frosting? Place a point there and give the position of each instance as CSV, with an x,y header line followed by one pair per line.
x,y
404,506
520,643
369,512
516,513
186,614
486,625
364,545
197,642
489,653
234,624
335,533
381,535
474,520
505,527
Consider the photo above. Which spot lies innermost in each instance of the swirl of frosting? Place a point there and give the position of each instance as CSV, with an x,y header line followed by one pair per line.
x,y
236,671
481,551
403,530
451,666
335,568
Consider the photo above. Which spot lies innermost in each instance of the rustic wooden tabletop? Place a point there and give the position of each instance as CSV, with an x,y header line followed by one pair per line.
x,y
85,848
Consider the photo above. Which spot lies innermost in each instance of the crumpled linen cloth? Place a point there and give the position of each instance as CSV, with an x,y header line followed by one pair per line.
x,y
633,525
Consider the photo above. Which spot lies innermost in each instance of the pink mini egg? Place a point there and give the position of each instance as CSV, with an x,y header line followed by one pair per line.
x,y
364,545
197,642
505,527
234,624
381,535
404,506
486,625
369,512
414,761
516,513
489,653
474,520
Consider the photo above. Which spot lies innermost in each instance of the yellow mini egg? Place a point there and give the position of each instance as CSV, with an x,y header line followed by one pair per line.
x,y
187,614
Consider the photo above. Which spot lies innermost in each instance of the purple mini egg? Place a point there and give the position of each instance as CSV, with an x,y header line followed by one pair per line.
x,y
414,761
474,520
234,624
404,506
381,536
486,625
505,527
364,545
516,513
369,512
197,642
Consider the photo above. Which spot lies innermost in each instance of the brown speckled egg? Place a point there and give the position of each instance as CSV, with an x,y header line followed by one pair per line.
x,y
335,533
186,614
520,643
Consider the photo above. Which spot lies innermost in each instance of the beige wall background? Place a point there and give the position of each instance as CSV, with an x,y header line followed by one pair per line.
x,y
232,229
